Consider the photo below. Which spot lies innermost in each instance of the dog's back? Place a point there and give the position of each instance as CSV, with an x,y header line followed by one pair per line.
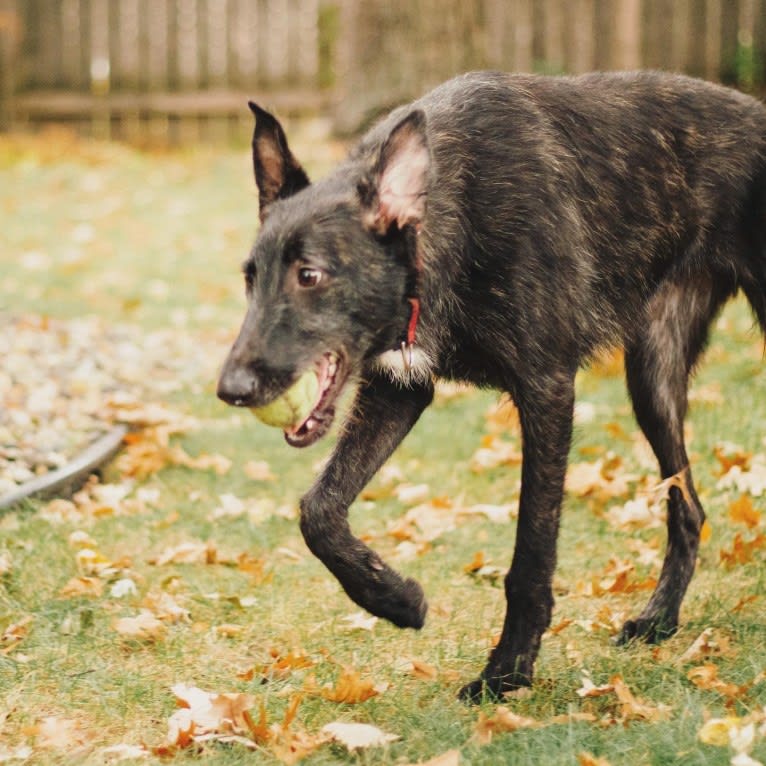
x,y
578,196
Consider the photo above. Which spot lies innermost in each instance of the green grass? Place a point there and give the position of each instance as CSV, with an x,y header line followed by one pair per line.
x,y
156,240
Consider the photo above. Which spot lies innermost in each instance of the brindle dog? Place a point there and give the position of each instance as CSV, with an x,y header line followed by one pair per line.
x,y
500,230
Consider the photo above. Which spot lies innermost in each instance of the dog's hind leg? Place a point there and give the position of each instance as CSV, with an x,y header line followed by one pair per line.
x,y
383,414
658,363
545,409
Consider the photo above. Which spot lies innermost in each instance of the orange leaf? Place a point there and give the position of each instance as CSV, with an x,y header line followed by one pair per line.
x,y
503,720
476,563
82,586
741,551
350,688
143,627
741,511
706,677
729,456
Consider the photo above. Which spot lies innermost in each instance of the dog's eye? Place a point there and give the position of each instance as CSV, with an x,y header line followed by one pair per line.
x,y
308,277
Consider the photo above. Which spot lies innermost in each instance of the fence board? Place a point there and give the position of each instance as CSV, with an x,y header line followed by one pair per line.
x,y
124,61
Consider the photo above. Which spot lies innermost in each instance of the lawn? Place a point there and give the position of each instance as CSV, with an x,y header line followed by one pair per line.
x,y
184,566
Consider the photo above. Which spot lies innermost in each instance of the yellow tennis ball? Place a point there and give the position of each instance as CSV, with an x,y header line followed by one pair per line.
x,y
294,406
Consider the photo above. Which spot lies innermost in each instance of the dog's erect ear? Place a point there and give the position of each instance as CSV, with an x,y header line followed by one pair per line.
x,y
277,173
399,182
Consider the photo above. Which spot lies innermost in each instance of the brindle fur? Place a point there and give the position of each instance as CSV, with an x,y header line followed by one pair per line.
x,y
554,217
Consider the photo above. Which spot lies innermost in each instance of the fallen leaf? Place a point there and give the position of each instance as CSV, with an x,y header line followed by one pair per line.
x,y
741,551
258,470
77,587
203,712
602,478
412,494
229,630
751,481
14,634
280,666
706,677
708,644
144,627
498,514
164,607
359,621
192,552
716,730
741,511
357,736
503,720
475,564
418,669
630,707
55,733
730,455
493,453
350,688
588,759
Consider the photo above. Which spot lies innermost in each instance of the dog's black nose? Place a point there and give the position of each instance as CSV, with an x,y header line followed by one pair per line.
x,y
236,385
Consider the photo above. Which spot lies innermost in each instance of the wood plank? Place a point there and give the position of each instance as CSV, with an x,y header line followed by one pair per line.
x,y
58,104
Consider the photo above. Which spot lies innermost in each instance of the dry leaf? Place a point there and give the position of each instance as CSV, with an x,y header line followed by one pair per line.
x,y
631,708
503,720
588,759
55,733
281,666
475,564
349,688
706,677
707,644
716,731
730,455
741,511
602,479
258,470
359,621
78,587
188,553
229,630
742,550
357,736
165,608
493,453
498,514
14,634
144,627
751,481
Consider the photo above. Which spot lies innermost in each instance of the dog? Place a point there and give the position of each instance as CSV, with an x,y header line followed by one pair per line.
x,y
501,230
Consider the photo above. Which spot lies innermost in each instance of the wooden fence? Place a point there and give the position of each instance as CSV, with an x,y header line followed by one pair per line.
x,y
182,69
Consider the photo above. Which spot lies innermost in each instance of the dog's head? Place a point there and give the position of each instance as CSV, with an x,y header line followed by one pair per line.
x,y
328,278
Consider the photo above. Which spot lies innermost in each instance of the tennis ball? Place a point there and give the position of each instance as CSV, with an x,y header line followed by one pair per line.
x,y
294,406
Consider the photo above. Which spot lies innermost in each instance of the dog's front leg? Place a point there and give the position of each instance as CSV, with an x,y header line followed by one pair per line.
x,y
546,421
382,415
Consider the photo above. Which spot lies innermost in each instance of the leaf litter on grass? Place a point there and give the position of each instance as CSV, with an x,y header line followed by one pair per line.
x,y
157,429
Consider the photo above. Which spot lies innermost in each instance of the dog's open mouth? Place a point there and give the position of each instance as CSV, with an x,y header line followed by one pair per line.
x,y
332,371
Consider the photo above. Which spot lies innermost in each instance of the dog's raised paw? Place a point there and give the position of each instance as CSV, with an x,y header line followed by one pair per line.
x,y
406,607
